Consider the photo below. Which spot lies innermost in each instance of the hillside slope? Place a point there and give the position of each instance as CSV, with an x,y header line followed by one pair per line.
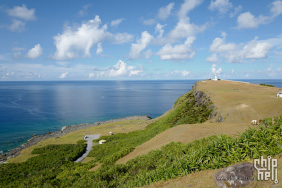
x,y
236,103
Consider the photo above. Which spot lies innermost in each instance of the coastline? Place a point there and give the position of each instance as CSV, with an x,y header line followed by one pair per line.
x,y
64,130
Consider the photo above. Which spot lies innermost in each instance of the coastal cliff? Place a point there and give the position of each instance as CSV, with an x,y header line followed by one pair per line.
x,y
201,98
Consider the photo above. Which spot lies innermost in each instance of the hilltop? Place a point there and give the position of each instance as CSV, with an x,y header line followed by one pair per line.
x,y
214,117
236,104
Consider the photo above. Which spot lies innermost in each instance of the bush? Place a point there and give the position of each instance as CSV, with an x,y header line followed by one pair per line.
x,y
267,85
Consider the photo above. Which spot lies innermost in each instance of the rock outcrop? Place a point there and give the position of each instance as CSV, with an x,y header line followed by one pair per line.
x,y
235,176
202,98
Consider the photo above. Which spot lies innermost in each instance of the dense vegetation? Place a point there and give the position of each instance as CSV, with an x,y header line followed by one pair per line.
x,y
267,85
41,169
54,169
185,111
54,166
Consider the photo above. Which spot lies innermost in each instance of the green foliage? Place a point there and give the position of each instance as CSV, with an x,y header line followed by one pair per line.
x,y
267,85
54,167
40,169
177,159
185,112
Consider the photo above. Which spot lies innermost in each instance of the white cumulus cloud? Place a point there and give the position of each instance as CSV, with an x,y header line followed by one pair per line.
x,y
120,38
220,5
213,58
178,52
236,11
276,8
17,25
256,50
35,52
116,22
232,52
121,69
84,10
77,41
140,45
149,21
91,75
164,12
248,20
187,6
214,70
22,12
99,48
74,41
160,29
184,29
63,75
185,73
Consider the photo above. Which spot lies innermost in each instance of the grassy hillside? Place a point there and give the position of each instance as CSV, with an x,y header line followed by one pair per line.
x,y
238,103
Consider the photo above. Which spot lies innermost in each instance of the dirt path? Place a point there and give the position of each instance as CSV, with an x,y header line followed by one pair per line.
x,y
90,144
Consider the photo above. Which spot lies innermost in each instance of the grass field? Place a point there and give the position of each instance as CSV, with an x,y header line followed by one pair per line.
x,y
237,102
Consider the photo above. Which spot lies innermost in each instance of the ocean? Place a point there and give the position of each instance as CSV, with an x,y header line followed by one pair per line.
x,y
28,108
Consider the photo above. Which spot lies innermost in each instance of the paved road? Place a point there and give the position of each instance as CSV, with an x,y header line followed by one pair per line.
x,y
89,139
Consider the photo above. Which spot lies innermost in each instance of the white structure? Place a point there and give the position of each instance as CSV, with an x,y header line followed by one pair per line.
x,y
215,76
279,94
254,122
102,141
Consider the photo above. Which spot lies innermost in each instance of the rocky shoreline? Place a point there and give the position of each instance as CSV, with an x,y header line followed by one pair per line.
x,y
65,130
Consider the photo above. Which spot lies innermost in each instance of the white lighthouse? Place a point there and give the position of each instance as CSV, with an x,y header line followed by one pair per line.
x,y
215,76
216,72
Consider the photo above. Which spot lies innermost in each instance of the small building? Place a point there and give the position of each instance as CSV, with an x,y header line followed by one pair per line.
x,y
111,133
102,141
279,94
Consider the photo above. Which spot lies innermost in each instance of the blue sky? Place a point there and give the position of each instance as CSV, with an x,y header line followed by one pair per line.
x,y
140,40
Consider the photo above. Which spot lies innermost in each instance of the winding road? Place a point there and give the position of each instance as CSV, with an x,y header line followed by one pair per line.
x,y
89,139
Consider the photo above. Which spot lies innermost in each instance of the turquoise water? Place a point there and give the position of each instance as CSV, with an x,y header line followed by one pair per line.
x,y
28,108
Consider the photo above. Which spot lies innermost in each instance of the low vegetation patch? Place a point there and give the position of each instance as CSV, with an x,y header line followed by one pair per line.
x,y
42,169
269,85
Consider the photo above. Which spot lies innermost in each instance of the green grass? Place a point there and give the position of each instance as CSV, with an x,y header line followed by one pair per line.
x,y
42,169
54,167
178,159
267,85
185,112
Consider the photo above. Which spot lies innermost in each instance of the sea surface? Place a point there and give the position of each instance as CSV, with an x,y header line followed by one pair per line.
x,y
28,108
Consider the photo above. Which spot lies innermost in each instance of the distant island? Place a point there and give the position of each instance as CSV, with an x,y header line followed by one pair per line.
x,y
207,129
